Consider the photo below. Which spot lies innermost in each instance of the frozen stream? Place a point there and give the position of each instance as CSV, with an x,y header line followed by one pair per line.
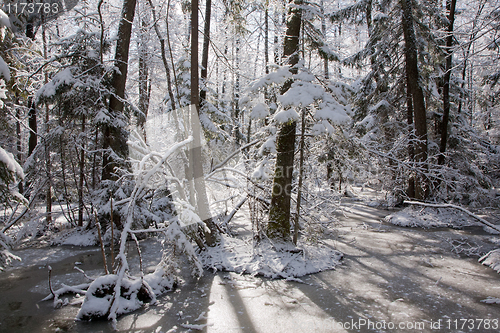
x,y
409,278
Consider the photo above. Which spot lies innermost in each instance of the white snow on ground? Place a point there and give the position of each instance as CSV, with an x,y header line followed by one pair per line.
x,y
237,255
428,217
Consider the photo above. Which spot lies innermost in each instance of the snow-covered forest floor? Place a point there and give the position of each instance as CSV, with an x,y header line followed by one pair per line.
x,y
391,274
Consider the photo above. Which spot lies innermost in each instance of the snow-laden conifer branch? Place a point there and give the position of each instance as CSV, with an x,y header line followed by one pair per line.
x,y
354,13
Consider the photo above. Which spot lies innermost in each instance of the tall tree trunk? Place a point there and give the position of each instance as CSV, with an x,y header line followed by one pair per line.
x,y
196,157
450,6
236,96
115,136
81,177
32,121
19,143
301,177
204,56
48,163
419,113
410,192
163,55
323,31
143,82
268,97
279,213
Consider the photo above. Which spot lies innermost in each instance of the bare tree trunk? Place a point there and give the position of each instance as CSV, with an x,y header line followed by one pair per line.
x,y
94,160
48,163
236,96
204,57
163,56
419,112
410,192
19,144
279,213
81,177
472,36
450,6
266,40
115,137
301,177
143,82
32,123
323,31
199,182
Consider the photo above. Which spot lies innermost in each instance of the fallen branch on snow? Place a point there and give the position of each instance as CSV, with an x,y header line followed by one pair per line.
x,y
481,220
491,300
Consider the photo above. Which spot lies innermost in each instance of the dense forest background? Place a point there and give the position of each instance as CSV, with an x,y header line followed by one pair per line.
x,y
400,95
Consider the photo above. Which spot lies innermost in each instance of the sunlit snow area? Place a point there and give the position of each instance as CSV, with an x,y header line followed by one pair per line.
x,y
369,269
249,167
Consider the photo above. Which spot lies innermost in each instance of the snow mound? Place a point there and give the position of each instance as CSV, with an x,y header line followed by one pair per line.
x,y
430,217
491,259
99,296
160,281
240,256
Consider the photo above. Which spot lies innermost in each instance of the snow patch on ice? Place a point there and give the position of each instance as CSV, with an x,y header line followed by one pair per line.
x,y
429,217
238,255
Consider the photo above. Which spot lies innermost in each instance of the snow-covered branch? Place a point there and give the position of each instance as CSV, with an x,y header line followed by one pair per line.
x,y
481,220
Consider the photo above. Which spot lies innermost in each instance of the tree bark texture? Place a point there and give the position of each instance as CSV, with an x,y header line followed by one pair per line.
x,y
450,6
204,57
279,213
417,96
115,135
196,156
144,91
32,123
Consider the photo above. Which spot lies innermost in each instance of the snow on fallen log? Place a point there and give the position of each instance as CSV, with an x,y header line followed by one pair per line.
x,y
491,300
100,297
481,220
65,289
492,259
